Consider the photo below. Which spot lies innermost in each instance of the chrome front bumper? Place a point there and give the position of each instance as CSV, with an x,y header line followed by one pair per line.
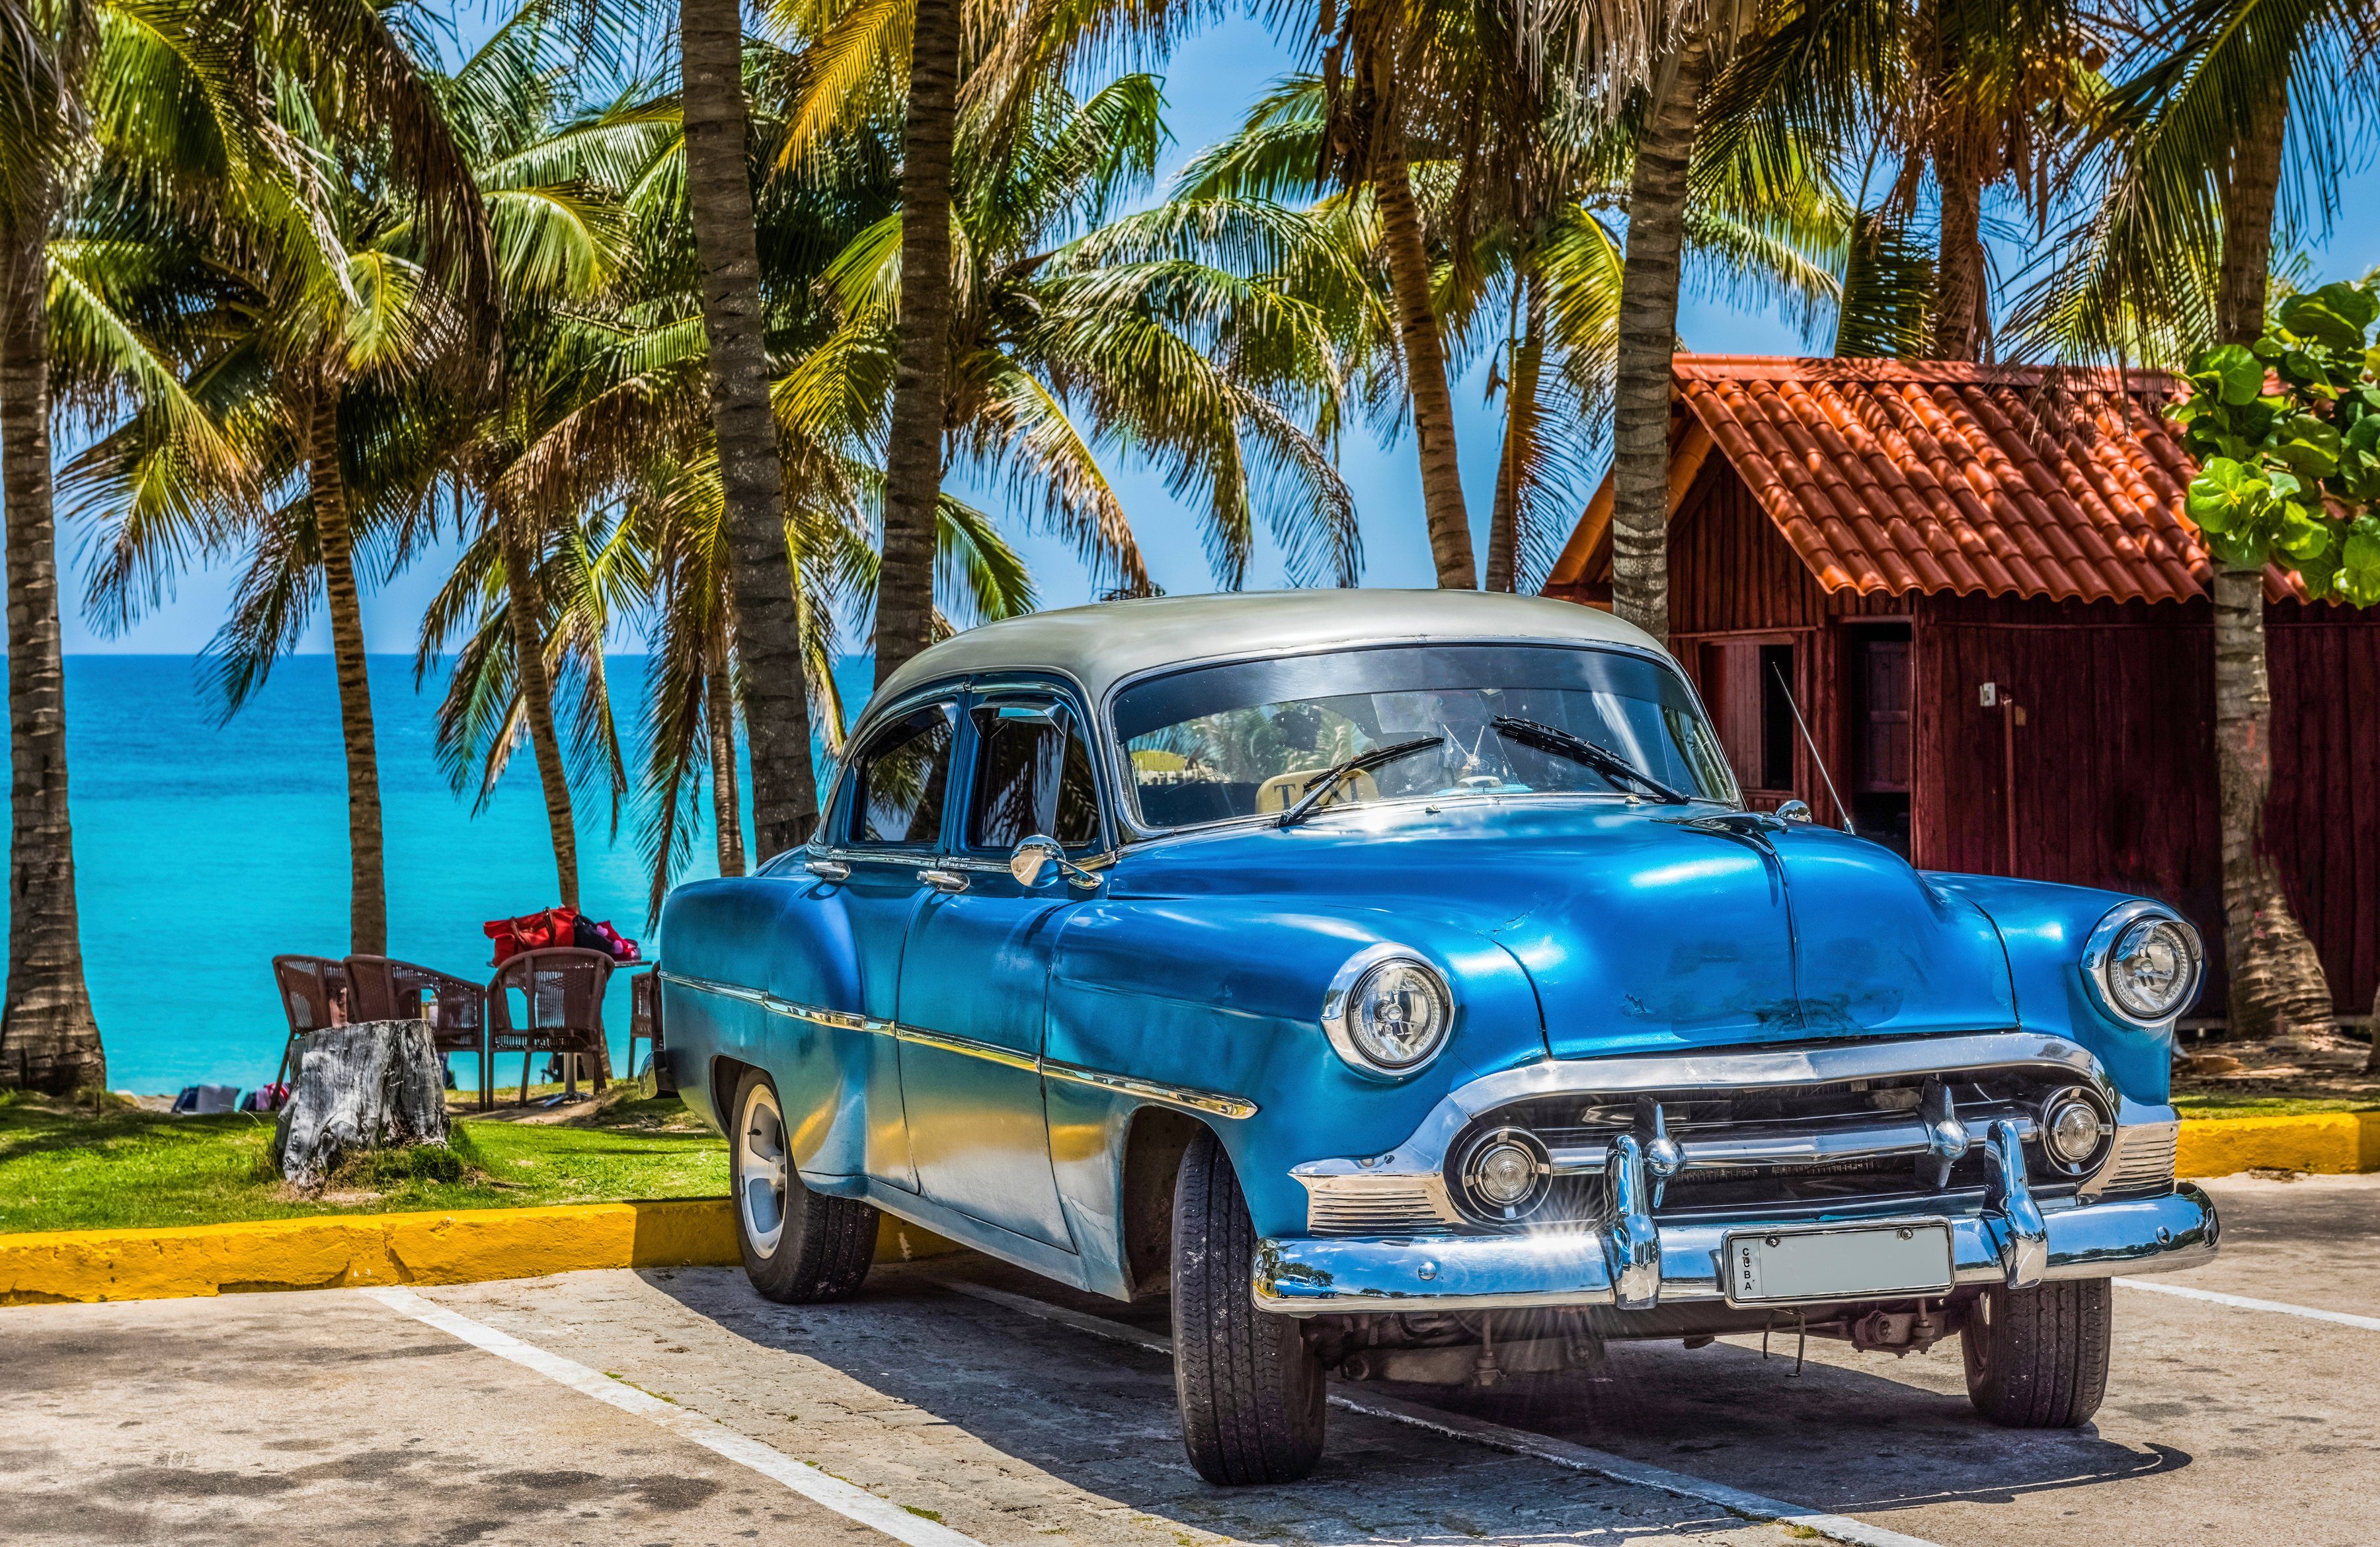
x,y
2017,1246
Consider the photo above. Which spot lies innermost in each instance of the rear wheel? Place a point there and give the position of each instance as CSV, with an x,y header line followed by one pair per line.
x,y
800,1247
2038,1358
1251,1391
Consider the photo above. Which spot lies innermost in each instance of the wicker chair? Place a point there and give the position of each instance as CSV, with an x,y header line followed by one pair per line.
x,y
382,989
313,996
645,1019
563,991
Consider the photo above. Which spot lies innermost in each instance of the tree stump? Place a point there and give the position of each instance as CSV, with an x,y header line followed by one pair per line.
x,y
363,1087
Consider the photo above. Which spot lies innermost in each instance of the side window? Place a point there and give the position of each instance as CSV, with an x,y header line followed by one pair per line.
x,y
1033,775
899,778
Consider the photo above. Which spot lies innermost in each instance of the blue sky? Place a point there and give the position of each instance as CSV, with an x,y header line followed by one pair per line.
x,y
1209,83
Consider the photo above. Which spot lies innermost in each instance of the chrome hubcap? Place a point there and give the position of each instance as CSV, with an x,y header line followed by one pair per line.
x,y
761,1169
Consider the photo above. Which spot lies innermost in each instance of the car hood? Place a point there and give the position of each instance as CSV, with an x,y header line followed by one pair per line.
x,y
1642,929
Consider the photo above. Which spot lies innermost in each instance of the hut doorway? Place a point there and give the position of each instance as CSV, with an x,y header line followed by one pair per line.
x,y
1878,695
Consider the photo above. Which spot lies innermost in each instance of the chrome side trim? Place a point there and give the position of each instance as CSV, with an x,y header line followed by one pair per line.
x,y
845,1021
710,985
1175,1095
967,1047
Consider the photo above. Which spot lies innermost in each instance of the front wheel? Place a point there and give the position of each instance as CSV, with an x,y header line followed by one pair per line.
x,y
2038,1358
800,1247
1251,1391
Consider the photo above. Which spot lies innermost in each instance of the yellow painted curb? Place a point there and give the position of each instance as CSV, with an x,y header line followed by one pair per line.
x,y
2332,1142
337,1251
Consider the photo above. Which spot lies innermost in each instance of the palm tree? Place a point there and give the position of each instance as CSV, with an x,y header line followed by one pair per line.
x,y
49,1039
2226,107
217,153
1123,332
326,306
1657,188
768,637
1539,281
944,63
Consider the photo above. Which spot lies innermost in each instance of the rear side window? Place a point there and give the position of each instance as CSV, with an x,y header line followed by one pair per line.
x,y
900,779
1033,777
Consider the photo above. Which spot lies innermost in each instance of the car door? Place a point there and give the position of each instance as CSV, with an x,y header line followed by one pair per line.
x,y
975,976
894,829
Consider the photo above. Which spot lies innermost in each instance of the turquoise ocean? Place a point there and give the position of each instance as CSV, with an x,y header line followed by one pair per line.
x,y
206,847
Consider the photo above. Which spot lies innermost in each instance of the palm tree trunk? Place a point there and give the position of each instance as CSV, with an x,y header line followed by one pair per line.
x,y
719,193
1441,472
913,450
727,820
1520,439
2277,987
367,895
1649,338
2249,195
49,1040
527,610
1959,261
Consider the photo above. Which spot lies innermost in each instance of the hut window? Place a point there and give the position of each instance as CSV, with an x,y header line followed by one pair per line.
x,y
1744,684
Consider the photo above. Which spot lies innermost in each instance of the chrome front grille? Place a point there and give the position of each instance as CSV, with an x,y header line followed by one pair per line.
x,y
1908,1137
1361,1205
2143,1158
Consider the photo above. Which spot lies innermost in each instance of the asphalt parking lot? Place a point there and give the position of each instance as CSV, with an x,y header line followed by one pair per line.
x,y
960,1401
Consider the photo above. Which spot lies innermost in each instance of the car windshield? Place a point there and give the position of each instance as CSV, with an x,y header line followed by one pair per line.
x,y
1247,740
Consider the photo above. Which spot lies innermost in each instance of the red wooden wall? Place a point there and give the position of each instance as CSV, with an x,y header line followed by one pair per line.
x,y
2115,770
2323,819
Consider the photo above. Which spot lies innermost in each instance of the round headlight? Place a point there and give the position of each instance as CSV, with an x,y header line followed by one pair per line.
x,y
1389,1014
2151,970
1506,1172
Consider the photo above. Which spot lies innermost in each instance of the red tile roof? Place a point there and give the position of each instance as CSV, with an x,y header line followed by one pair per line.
x,y
1931,476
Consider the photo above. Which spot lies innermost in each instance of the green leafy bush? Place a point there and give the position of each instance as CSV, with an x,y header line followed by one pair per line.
x,y
2287,433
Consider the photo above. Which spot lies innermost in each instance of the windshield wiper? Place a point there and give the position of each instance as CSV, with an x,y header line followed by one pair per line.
x,y
1361,763
1608,763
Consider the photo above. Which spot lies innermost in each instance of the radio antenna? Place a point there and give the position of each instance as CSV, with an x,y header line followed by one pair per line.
x,y
1777,672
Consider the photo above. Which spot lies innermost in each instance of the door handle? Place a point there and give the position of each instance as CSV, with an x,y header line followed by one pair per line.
x,y
943,881
832,870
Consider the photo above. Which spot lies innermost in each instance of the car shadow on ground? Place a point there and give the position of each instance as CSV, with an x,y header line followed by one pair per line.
x,y
1835,1436
1101,1416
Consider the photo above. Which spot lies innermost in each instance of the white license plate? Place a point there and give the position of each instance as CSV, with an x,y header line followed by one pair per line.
x,y
1838,1262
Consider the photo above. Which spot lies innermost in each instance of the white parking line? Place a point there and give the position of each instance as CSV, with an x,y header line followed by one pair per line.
x,y
1516,1442
852,1504
2242,1302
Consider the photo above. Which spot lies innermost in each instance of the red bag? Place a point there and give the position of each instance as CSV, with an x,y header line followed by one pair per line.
x,y
532,931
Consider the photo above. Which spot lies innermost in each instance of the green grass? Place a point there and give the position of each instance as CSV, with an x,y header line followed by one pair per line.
x,y
2221,1103
66,1169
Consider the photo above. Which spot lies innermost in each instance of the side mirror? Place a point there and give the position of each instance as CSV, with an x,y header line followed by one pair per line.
x,y
1794,810
1032,856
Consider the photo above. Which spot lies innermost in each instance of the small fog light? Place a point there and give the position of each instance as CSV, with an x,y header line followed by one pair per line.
x,y
1506,1172
2073,1130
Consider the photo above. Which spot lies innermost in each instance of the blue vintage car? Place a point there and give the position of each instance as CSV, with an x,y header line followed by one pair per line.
x,y
1400,982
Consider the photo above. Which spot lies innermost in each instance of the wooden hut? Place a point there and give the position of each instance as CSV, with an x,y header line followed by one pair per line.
x,y
1981,586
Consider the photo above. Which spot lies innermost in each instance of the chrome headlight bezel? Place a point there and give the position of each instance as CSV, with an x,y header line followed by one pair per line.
x,y
2099,957
1340,1004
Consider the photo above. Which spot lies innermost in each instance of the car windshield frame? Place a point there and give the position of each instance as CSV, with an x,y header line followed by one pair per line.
x,y
1128,810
